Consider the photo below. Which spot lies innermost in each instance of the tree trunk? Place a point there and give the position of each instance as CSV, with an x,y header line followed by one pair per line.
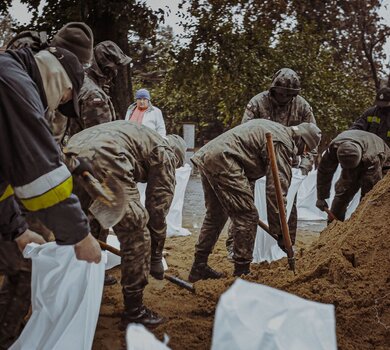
x,y
105,27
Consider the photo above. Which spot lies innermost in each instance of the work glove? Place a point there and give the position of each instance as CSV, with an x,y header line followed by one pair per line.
x,y
83,165
321,204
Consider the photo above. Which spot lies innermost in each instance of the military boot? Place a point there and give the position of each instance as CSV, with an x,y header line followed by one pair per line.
x,y
136,312
157,269
201,271
156,264
241,269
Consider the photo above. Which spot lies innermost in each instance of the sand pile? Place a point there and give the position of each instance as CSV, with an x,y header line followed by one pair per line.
x,y
348,266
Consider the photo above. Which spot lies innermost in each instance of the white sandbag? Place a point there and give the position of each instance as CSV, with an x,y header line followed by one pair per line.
x,y
307,197
66,296
115,260
175,214
266,248
139,338
253,316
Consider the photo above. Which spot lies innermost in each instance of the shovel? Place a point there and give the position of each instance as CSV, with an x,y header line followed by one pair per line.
x,y
109,204
176,280
280,202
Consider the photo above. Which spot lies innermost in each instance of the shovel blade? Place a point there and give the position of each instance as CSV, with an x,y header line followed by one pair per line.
x,y
109,213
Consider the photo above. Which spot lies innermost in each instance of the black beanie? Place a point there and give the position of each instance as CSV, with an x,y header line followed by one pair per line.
x,y
77,37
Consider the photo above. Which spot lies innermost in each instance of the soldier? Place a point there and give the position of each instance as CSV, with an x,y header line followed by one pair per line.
x,y
228,165
362,157
76,37
133,153
31,170
283,104
376,119
95,104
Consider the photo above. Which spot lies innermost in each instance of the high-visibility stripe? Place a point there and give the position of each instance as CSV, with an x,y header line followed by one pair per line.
x,y
388,133
43,184
51,197
7,193
373,119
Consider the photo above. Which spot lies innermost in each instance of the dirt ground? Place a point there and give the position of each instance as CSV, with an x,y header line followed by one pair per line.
x,y
189,317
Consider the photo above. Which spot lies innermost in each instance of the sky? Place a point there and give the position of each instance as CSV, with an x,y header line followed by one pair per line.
x,y
19,11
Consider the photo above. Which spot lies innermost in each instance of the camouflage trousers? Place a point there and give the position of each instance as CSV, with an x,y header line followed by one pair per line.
x,y
346,187
15,292
134,239
228,196
273,217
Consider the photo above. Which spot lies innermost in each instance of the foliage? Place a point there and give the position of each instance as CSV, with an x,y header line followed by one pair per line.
x,y
233,47
6,31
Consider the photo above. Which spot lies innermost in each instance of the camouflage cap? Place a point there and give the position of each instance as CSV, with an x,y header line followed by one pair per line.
x,y
179,146
28,38
109,54
349,154
383,97
310,133
286,79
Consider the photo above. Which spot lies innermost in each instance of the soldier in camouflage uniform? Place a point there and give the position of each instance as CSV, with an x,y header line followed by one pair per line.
x,y
133,153
228,165
363,158
95,104
282,104
376,119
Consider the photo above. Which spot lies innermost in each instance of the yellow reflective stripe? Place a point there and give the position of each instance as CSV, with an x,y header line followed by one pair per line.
x,y
43,184
7,193
51,197
388,133
373,119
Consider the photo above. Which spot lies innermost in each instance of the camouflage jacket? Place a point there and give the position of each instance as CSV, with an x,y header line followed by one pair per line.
x,y
375,156
132,154
95,107
246,145
297,111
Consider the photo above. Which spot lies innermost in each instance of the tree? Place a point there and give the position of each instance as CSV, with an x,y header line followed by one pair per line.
x,y
6,31
233,47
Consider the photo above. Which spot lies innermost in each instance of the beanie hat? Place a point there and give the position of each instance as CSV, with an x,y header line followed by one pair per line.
x,y
383,97
142,93
349,154
310,133
179,147
77,37
75,72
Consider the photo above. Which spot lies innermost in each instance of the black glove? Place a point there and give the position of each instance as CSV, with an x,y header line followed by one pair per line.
x,y
84,165
321,204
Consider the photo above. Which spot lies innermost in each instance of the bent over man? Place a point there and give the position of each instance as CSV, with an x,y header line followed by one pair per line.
x,y
133,153
362,157
228,165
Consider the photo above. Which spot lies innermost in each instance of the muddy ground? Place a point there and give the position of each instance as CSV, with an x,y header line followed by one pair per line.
x,y
189,318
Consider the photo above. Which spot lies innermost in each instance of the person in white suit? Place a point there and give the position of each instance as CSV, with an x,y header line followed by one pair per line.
x,y
144,113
